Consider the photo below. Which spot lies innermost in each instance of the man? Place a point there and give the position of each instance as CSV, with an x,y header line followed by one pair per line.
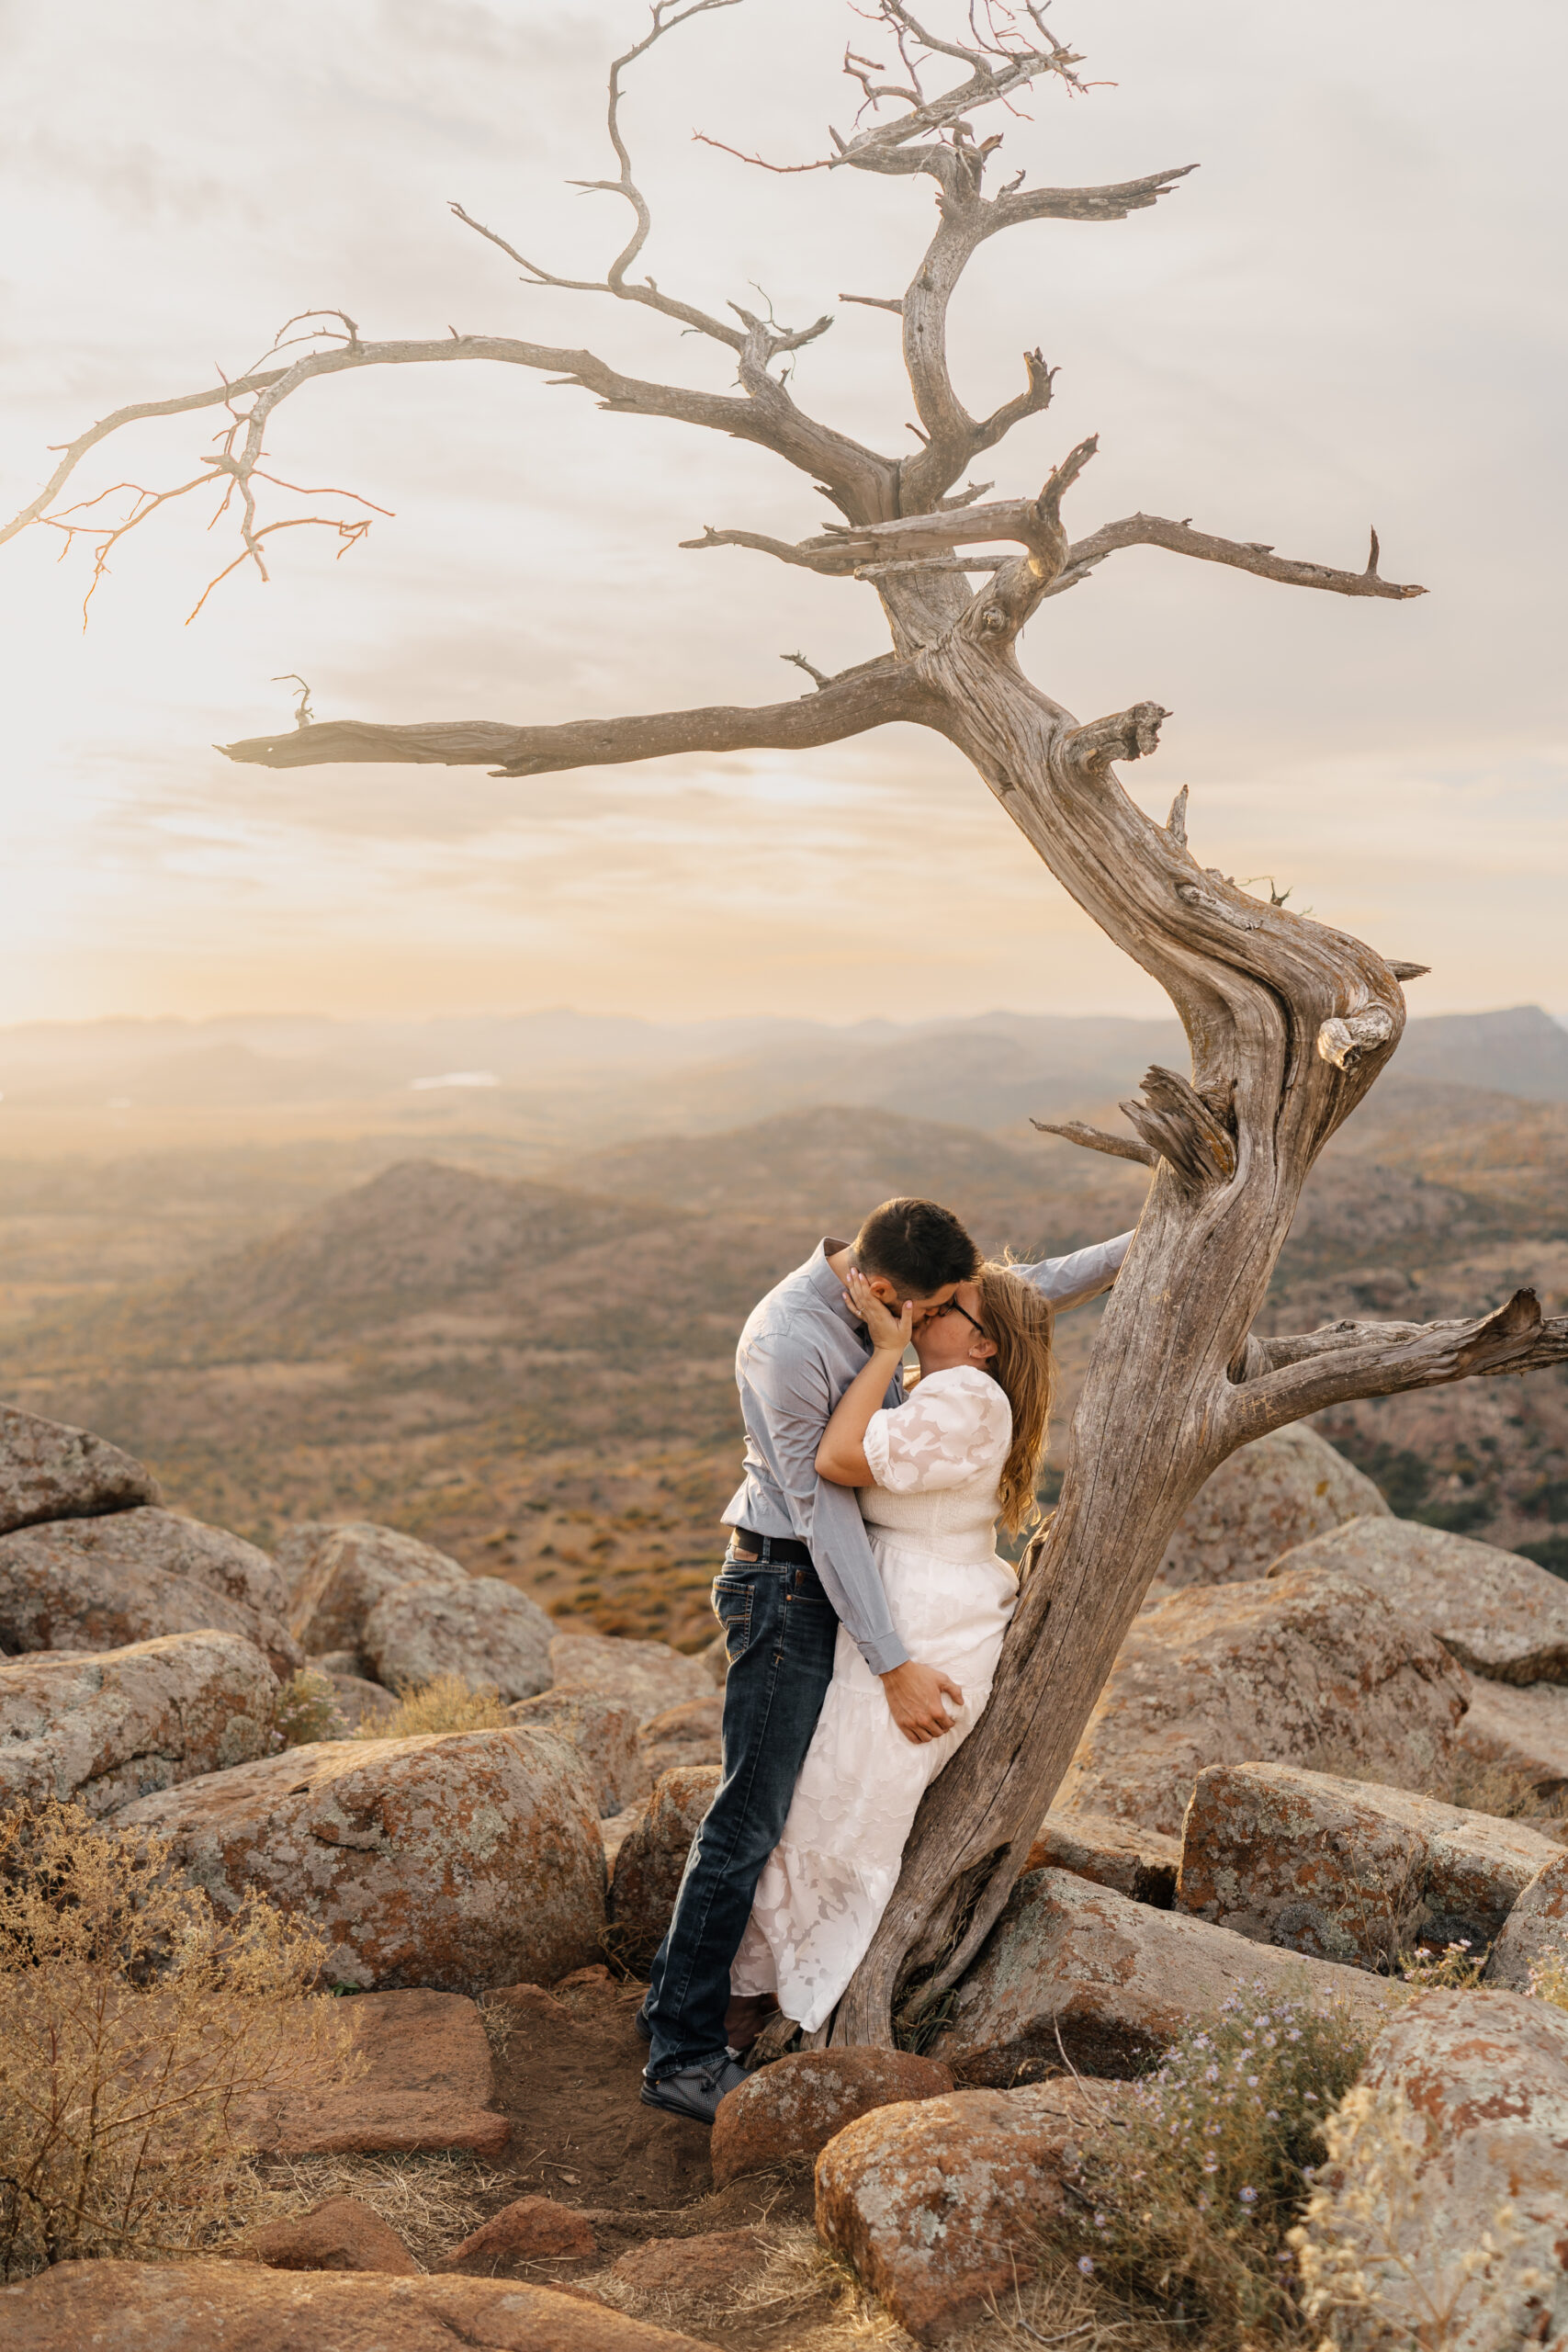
x,y
799,1564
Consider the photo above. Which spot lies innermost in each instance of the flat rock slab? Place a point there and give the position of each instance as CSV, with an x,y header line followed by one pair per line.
x,y
1116,1979
336,1582
100,1583
1476,2086
603,1730
1535,1937
1275,1670
1345,1869
457,1860
652,1859
426,2086
105,1731
49,1470
793,2109
691,2276
1500,1615
196,2306
650,1674
1274,1493
938,2206
1140,1863
483,1630
339,2234
692,1733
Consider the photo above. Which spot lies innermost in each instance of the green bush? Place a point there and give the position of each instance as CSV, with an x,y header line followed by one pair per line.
x,y
1185,2200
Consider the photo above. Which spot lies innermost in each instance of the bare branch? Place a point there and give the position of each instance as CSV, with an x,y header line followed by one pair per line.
x,y
1096,1139
1180,1128
873,695
1290,1376
1250,555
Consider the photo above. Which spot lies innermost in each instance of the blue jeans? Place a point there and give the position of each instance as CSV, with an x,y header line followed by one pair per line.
x,y
780,1632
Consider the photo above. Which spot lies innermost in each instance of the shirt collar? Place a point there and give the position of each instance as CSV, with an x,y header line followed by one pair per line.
x,y
828,1286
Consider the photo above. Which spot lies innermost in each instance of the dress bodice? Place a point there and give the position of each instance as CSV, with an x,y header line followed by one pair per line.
x,y
937,1459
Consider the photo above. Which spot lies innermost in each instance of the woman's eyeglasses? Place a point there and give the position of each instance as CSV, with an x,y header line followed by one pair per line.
x,y
951,1306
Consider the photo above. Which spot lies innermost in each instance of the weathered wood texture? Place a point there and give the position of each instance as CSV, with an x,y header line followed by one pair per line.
x,y
1289,1021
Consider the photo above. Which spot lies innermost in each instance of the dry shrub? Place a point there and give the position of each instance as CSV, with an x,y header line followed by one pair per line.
x,y
447,1703
140,2036
1185,2202
1365,2251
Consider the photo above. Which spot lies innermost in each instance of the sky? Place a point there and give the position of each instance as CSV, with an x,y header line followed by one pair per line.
x,y
1346,316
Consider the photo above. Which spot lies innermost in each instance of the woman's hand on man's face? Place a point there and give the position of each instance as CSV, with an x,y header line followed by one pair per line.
x,y
887,1331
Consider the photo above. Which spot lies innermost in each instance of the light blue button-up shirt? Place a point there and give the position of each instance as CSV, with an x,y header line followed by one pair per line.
x,y
800,1350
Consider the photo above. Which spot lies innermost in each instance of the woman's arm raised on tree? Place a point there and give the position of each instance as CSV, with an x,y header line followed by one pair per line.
x,y
840,1457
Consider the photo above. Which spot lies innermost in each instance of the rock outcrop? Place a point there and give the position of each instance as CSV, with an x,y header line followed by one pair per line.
x,y
130,1576
1498,1615
689,1734
421,2082
1275,1670
938,2207
340,1580
244,2307
1535,1939
603,1729
650,1674
339,2234
1115,1980
49,1470
1346,1870
652,1859
531,2229
1270,1496
486,1631
457,1860
106,1730
1457,2136
1139,1863
1521,1728
791,2110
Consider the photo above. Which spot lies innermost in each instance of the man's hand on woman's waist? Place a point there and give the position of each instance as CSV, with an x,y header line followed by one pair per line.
x,y
915,1697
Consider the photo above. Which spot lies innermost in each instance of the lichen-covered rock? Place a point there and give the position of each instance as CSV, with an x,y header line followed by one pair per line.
x,y
692,1733
652,1859
1455,2140
483,1630
793,2109
99,1584
49,1470
193,2306
1116,1979
1139,1863
1499,1616
339,2234
1267,1498
650,1674
531,2229
1346,1869
361,1704
1522,1729
351,1569
1536,1936
1275,1670
603,1729
421,2082
938,2206
294,1554
103,1731
457,1860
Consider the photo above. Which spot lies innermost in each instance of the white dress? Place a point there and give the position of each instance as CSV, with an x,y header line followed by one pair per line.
x,y
936,1460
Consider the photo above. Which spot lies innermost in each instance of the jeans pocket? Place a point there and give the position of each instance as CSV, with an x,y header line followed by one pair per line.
x,y
732,1607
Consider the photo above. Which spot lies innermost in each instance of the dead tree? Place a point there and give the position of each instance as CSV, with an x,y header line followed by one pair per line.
x,y
1289,1021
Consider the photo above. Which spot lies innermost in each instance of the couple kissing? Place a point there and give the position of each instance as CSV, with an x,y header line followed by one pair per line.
x,y
864,1604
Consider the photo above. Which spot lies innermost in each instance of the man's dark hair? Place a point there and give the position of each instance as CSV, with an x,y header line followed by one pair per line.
x,y
919,1245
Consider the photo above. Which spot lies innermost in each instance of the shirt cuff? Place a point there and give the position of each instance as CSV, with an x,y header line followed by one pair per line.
x,y
883,1657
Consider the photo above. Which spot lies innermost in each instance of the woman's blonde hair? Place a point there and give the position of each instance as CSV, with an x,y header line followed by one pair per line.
x,y
1020,1322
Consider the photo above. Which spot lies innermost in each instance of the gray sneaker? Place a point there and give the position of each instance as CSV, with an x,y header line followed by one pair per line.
x,y
696,2090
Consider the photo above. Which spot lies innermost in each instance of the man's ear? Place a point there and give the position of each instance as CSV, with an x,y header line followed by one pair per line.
x,y
887,1292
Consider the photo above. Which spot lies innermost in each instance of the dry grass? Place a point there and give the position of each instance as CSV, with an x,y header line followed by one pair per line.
x,y
433,2202
306,1709
447,1703
1464,1781
139,2037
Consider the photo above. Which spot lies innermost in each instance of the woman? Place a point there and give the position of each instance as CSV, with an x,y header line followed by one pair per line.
x,y
935,1473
